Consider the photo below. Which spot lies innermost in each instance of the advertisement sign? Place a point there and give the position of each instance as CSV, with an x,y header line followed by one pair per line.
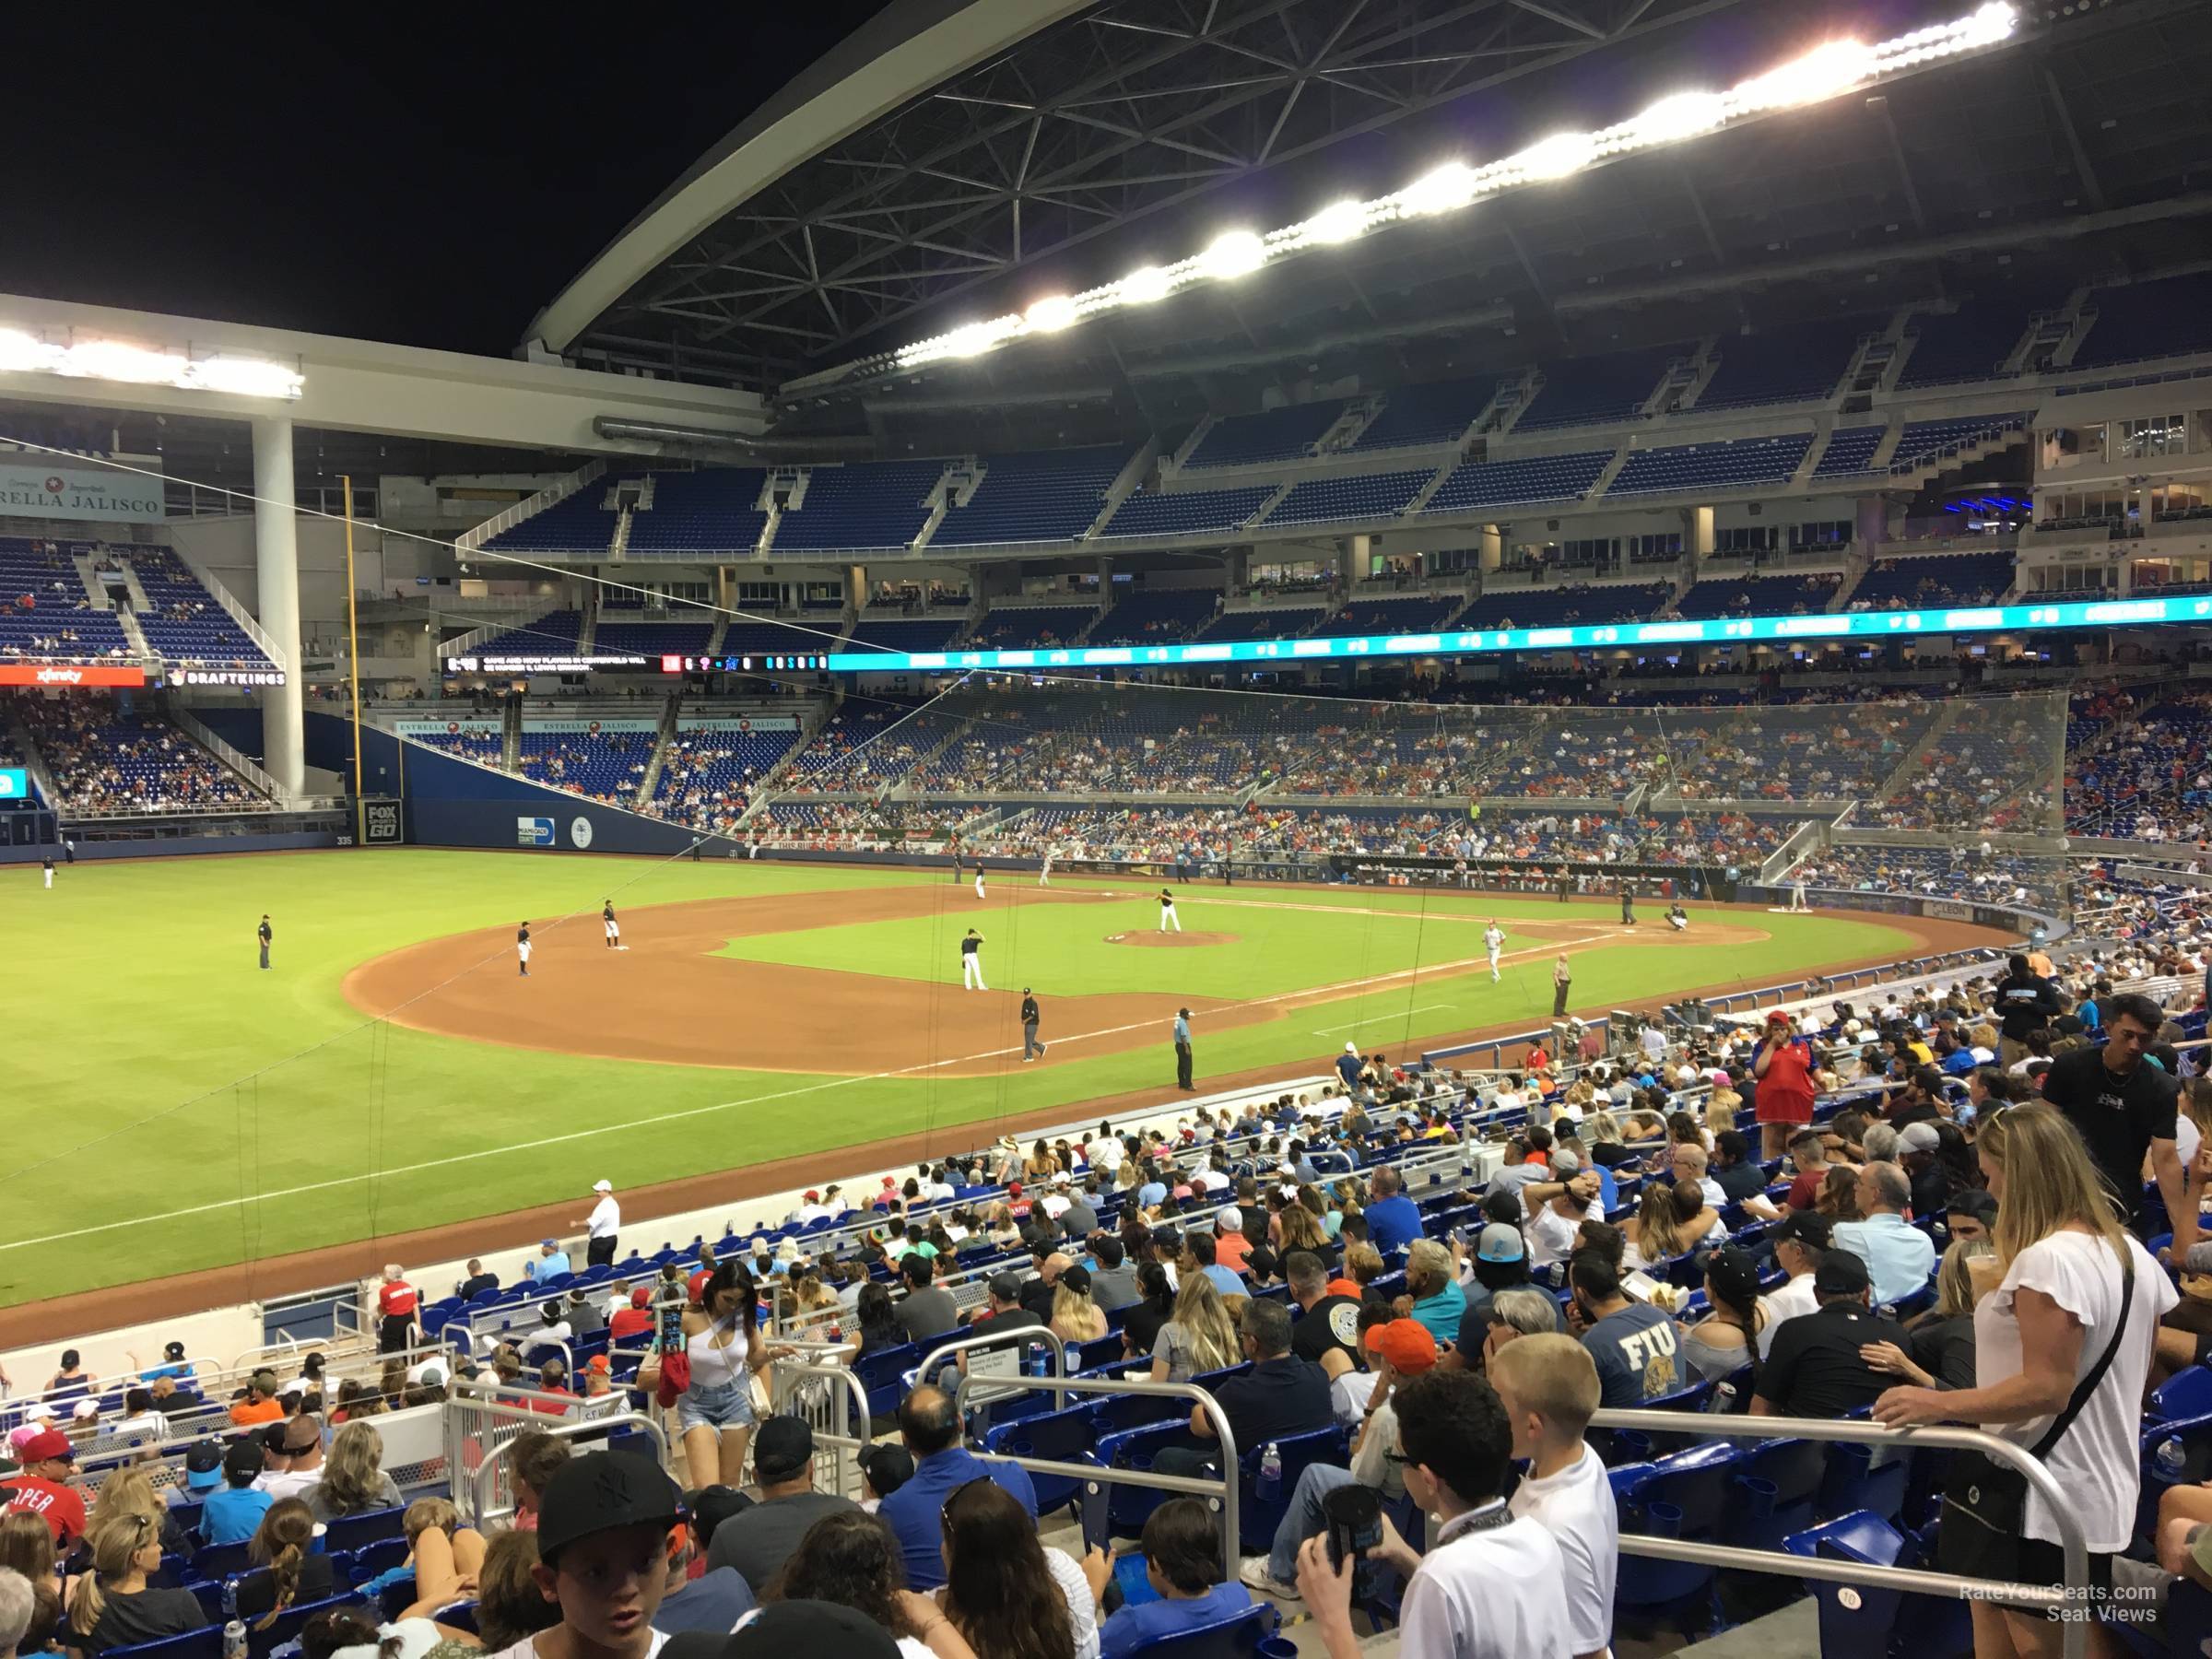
x,y
538,665
225,676
445,728
533,832
783,664
71,674
34,490
14,784
380,822
580,833
1867,627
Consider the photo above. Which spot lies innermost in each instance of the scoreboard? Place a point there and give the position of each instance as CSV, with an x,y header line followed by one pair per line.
x,y
785,663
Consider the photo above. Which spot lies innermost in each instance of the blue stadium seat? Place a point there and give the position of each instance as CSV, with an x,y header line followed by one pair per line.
x,y
350,1532
205,1644
1249,1631
1870,1621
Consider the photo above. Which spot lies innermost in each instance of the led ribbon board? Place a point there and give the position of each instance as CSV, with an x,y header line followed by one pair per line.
x,y
1867,626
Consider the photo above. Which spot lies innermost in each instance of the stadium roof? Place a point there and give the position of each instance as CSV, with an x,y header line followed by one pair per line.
x,y
958,159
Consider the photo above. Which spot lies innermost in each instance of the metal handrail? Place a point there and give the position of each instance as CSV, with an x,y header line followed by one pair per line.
x,y
564,1428
2062,1600
784,1379
1192,1485
1019,1336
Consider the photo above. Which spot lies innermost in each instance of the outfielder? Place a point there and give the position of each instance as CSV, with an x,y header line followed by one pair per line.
x,y
613,927
1493,941
1167,911
50,870
521,948
971,962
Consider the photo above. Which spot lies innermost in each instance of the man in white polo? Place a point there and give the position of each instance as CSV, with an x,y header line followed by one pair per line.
x,y
604,1223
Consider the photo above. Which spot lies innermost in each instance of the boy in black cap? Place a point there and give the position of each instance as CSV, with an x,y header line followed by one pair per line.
x,y
602,1525
1817,1367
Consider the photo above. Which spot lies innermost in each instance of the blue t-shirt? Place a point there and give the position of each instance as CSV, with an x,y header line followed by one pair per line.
x,y
1440,1314
1147,1621
231,1516
1225,1279
914,1510
1151,1194
1394,1222
1637,1354
2086,1011
1348,1068
712,1602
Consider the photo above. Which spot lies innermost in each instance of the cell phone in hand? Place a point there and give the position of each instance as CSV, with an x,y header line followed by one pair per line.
x,y
1355,1522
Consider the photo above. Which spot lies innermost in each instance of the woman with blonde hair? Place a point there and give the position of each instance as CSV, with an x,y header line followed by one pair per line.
x,y
2063,1349
26,1546
1720,1112
1942,1350
1076,1318
112,1606
130,1490
1200,1337
354,1481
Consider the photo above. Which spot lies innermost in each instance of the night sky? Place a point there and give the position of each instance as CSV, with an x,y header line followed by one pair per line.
x,y
431,178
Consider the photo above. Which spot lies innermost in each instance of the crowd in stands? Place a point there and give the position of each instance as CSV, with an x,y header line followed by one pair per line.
x,y
1957,872
1917,1204
2148,779
108,755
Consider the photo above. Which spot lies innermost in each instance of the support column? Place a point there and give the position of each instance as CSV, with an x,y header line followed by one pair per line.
x,y
1490,551
1351,561
277,580
1699,525
1871,525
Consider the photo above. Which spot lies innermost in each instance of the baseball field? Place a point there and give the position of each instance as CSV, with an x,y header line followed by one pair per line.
x,y
177,1109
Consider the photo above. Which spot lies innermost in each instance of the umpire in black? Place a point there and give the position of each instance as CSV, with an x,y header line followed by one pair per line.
x,y
267,935
1030,1047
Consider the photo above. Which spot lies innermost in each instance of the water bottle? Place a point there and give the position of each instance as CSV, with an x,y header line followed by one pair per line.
x,y
234,1640
1074,1357
1037,1365
1270,1483
2172,1459
231,1598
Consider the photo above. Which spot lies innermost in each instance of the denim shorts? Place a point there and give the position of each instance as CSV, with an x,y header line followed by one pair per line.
x,y
715,1406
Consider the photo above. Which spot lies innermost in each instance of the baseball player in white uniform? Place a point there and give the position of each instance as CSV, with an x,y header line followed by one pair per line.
x,y
972,962
1797,890
521,948
1493,941
979,881
1167,911
1044,876
613,927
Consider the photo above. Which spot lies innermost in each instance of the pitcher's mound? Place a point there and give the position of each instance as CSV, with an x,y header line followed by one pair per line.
x,y
1154,938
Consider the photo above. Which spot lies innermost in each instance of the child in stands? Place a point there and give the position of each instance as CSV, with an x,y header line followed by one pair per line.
x,y
1548,1388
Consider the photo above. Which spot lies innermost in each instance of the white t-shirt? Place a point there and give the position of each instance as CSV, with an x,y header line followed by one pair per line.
x,y
1551,1235
1788,1302
1488,1593
2187,1138
1348,1395
606,1218
416,1637
1075,1590
1575,1506
1106,1152
2095,1463
527,1647
289,1483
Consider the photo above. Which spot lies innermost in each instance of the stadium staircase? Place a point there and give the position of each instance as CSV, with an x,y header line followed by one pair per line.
x,y
95,590
560,489
34,763
1856,563
1138,468
1807,840
511,738
588,622
650,779
1507,402
1908,765
1704,363
127,620
1606,474
186,722
618,545
720,634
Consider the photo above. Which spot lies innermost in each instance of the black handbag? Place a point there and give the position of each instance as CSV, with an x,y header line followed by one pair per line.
x,y
1985,1501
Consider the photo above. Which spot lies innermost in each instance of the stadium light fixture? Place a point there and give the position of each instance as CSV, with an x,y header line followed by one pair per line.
x,y
1827,71
22,352
1048,315
1233,255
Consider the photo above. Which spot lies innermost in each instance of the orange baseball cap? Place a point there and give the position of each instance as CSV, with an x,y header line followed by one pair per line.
x,y
1406,1343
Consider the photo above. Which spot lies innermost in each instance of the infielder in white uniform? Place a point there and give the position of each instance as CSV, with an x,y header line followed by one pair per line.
x,y
1493,941
1167,911
979,881
1044,876
521,948
613,928
1797,892
972,962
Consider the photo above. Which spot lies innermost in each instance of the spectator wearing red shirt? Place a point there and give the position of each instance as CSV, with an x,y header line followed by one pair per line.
x,y
43,1490
1809,1164
636,1318
1231,1249
395,1305
1783,1066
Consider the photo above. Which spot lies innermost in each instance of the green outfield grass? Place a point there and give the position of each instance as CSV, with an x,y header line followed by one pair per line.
x,y
174,1108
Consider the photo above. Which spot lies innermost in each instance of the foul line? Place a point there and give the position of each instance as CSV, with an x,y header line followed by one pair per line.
x,y
693,1111
1381,1018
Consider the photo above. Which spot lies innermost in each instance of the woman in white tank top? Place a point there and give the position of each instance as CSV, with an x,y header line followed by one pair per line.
x,y
715,1413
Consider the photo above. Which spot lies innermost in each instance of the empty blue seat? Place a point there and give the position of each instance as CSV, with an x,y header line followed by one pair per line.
x,y
1864,1619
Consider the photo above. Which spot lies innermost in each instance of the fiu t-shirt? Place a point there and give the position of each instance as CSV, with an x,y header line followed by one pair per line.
x,y
2118,1116
1637,1351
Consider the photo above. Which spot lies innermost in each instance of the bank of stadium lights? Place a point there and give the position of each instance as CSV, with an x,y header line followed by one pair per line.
x,y
1828,71
126,364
